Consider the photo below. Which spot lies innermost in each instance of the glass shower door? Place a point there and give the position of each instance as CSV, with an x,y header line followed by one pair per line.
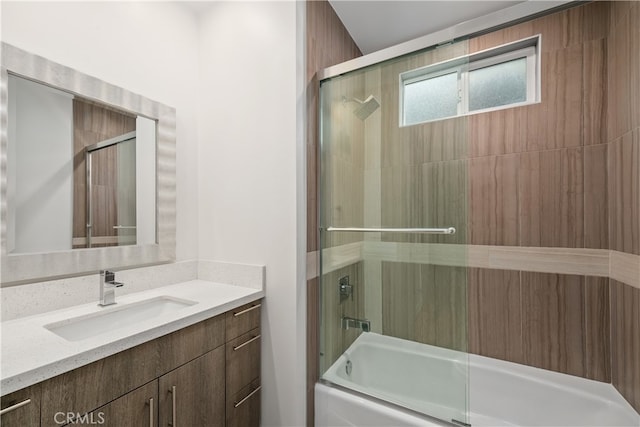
x,y
393,215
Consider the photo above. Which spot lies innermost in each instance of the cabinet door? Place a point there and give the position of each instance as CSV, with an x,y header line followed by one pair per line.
x,y
194,394
21,408
138,408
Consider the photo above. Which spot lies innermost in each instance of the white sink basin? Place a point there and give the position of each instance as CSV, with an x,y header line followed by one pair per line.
x,y
114,317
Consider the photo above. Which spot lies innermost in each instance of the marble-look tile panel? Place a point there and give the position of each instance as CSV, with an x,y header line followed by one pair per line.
x,y
624,193
494,194
596,209
551,199
495,318
553,322
597,332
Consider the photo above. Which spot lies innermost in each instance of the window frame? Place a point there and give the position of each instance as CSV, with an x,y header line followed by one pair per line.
x,y
528,48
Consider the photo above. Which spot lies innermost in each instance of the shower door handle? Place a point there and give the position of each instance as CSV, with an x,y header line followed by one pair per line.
x,y
448,230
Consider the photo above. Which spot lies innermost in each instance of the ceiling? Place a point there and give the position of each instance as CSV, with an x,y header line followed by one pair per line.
x,y
375,24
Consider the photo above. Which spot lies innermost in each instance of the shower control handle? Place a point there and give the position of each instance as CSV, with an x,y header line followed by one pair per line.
x,y
345,288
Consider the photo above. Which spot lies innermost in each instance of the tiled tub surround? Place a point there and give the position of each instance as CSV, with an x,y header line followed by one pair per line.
x,y
554,202
23,339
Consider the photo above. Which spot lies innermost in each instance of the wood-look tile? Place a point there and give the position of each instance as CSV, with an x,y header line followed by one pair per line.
x,y
334,339
328,44
551,199
634,63
596,20
498,132
597,336
596,217
621,97
493,206
401,196
403,300
450,287
624,193
502,36
495,323
553,322
425,303
595,92
625,341
619,10
625,268
560,109
444,199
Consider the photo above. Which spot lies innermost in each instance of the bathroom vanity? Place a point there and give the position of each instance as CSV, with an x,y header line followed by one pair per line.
x,y
204,374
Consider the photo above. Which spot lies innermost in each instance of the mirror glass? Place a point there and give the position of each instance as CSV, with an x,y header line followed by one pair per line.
x,y
80,174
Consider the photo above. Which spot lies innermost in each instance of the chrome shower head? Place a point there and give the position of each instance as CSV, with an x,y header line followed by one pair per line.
x,y
365,108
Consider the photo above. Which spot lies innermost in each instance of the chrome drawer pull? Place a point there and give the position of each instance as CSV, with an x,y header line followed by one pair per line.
x,y
14,407
150,403
235,405
173,406
238,347
253,307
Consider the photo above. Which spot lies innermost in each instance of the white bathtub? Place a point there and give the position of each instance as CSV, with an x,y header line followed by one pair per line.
x,y
432,380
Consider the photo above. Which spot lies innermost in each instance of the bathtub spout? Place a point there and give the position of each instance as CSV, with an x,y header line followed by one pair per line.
x,y
349,322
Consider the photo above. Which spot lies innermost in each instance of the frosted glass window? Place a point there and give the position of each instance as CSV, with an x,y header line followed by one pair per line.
x,y
504,77
431,98
499,84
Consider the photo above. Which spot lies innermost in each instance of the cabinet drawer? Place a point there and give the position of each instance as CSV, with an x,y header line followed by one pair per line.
x,y
242,320
243,361
243,409
21,408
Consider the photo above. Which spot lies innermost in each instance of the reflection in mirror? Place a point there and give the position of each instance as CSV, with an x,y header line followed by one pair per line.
x,y
80,174
43,173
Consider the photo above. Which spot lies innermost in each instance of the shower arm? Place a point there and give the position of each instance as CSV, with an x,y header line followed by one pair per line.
x,y
448,230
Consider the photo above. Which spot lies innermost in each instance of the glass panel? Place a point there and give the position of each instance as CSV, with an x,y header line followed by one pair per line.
x,y
126,192
381,290
431,98
499,84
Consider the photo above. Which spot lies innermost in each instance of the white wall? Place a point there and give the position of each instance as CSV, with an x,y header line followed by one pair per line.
x,y
247,171
146,47
233,83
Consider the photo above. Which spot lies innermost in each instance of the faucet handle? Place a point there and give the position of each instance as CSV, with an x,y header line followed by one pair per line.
x,y
109,276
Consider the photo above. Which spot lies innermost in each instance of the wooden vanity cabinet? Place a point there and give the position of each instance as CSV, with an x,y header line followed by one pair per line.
x,y
193,374
21,408
243,366
193,394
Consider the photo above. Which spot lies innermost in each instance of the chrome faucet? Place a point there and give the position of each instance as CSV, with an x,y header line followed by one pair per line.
x,y
350,322
108,287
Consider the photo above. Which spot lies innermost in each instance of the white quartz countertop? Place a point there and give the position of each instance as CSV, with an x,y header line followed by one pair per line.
x,y
31,353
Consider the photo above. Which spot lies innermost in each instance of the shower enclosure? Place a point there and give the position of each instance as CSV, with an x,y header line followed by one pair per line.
x,y
479,227
394,222
110,167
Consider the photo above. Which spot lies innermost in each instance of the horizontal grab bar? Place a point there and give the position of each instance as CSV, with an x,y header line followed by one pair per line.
x,y
448,230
